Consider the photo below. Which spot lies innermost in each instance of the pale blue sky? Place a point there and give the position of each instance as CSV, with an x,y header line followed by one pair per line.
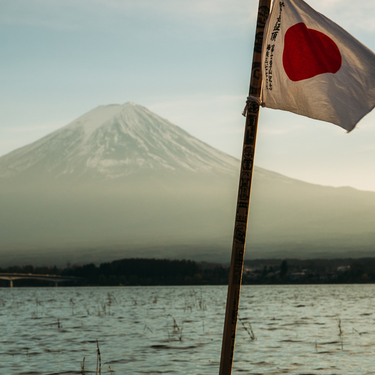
x,y
187,61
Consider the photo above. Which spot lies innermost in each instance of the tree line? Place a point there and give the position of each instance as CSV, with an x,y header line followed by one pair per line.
x,y
138,271
131,272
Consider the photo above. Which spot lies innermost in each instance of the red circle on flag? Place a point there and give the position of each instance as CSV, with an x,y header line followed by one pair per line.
x,y
308,53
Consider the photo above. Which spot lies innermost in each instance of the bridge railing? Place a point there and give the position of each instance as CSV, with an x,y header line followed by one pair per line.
x,y
52,278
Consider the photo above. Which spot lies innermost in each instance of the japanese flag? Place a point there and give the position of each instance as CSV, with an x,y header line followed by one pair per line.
x,y
313,67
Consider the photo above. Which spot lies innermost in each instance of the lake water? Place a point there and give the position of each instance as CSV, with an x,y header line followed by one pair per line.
x,y
305,329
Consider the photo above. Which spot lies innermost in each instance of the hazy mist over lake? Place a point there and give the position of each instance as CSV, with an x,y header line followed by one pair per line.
x,y
121,181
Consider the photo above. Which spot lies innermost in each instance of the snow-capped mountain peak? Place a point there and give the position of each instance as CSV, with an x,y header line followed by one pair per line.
x,y
116,140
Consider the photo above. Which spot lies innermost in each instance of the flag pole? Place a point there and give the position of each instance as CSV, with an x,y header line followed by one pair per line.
x,y
247,164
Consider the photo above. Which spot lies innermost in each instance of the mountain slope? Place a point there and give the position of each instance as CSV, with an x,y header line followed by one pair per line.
x,y
121,181
115,141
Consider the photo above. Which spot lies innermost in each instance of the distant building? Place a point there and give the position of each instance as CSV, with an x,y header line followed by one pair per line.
x,y
296,276
343,268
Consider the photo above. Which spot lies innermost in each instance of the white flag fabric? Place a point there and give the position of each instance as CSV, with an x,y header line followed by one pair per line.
x,y
313,67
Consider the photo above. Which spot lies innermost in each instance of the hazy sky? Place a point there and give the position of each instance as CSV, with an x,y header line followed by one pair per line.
x,y
187,61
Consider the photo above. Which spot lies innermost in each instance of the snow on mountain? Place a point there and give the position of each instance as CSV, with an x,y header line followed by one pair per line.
x,y
113,141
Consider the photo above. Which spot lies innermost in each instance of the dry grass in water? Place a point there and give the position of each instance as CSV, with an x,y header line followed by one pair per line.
x,y
248,329
177,330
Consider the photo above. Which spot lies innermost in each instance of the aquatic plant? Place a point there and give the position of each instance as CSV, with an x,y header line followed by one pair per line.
x,y
99,366
72,303
177,330
83,366
147,327
248,329
339,327
98,360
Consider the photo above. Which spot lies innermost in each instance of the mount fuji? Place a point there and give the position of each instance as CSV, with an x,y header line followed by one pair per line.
x,y
121,181
112,142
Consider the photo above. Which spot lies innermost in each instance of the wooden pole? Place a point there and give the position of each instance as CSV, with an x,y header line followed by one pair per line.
x,y
243,201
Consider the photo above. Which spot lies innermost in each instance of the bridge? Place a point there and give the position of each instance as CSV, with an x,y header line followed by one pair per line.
x,y
53,278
